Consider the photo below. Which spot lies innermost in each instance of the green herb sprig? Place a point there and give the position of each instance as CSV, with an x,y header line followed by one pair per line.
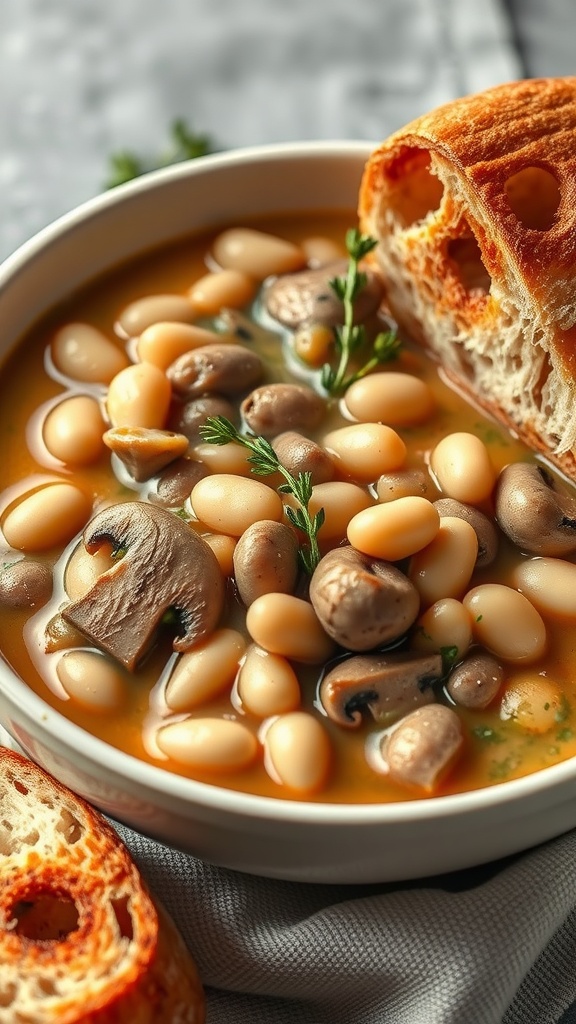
x,y
265,462
350,337
185,145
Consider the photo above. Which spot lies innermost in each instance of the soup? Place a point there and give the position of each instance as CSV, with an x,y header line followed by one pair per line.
x,y
351,623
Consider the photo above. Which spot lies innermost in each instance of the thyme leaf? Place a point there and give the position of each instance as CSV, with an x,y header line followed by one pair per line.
x,y
185,145
349,337
264,462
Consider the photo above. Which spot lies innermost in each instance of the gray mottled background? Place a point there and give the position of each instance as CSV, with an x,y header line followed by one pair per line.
x,y
80,79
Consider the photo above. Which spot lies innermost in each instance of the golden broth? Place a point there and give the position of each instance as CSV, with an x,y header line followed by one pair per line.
x,y
496,749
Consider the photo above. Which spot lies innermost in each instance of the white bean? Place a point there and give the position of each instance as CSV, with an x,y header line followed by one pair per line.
x,y
73,430
550,584
47,518
364,451
83,569
340,500
267,684
256,253
212,744
139,396
224,288
288,625
398,399
164,342
320,250
506,622
446,623
396,529
92,681
533,701
462,466
206,670
153,309
230,504
297,752
445,566
83,353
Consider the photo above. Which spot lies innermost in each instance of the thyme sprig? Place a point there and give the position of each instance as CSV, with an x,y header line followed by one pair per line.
x,y
350,337
185,145
265,462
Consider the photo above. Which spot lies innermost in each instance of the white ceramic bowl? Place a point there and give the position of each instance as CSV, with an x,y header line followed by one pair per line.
x,y
290,840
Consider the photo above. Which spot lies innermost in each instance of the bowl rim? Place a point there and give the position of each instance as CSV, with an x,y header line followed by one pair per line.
x,y
65,733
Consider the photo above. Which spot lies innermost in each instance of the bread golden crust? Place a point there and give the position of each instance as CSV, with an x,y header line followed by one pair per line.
x,y
474,206
81,939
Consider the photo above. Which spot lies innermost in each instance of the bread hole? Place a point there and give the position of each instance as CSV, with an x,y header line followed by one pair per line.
x,y
48,917
20,787
414,190
534,197
69,826
466,259
8,994
123,916
46,987
8,843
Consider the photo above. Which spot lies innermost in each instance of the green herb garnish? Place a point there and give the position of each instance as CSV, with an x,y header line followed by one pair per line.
x,y
265,462
487,734
449,658
350,336
186,145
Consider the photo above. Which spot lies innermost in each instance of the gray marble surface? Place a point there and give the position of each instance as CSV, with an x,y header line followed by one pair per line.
x,y
80,79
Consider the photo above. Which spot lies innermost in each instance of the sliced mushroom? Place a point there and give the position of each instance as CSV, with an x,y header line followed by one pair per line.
x,y
300,454
475,682
165,566
532,512
266,560
307,297
224,369
188,417
362,602
25,584
483,527
143,450
275,408
389,685
175,483
424,746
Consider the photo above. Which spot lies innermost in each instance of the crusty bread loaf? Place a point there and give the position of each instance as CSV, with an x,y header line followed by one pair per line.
x,y
81,940
474,207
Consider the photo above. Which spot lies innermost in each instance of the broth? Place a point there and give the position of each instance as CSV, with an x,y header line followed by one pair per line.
x,y
496,747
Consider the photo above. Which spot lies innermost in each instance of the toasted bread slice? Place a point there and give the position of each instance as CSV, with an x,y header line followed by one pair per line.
x,y
474,209
81,939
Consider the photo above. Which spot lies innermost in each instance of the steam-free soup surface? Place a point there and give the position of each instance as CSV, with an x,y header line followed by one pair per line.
x,y
527,725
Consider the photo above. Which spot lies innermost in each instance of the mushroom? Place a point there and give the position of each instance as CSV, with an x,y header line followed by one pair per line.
x,y
307,297
165,566
362,602
423,747
225,369
176,481
266,560
188,417
300,454
390,685
536,516
275,408
25,584
475,682
483,527
144,450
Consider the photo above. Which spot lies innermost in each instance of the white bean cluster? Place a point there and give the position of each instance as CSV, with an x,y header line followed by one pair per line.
x,y
245,697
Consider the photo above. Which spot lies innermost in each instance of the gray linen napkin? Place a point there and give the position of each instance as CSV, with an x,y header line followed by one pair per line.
x,y
496,945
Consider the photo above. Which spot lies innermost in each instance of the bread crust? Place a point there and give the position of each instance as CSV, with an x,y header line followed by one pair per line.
x,y
81,939
442,197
